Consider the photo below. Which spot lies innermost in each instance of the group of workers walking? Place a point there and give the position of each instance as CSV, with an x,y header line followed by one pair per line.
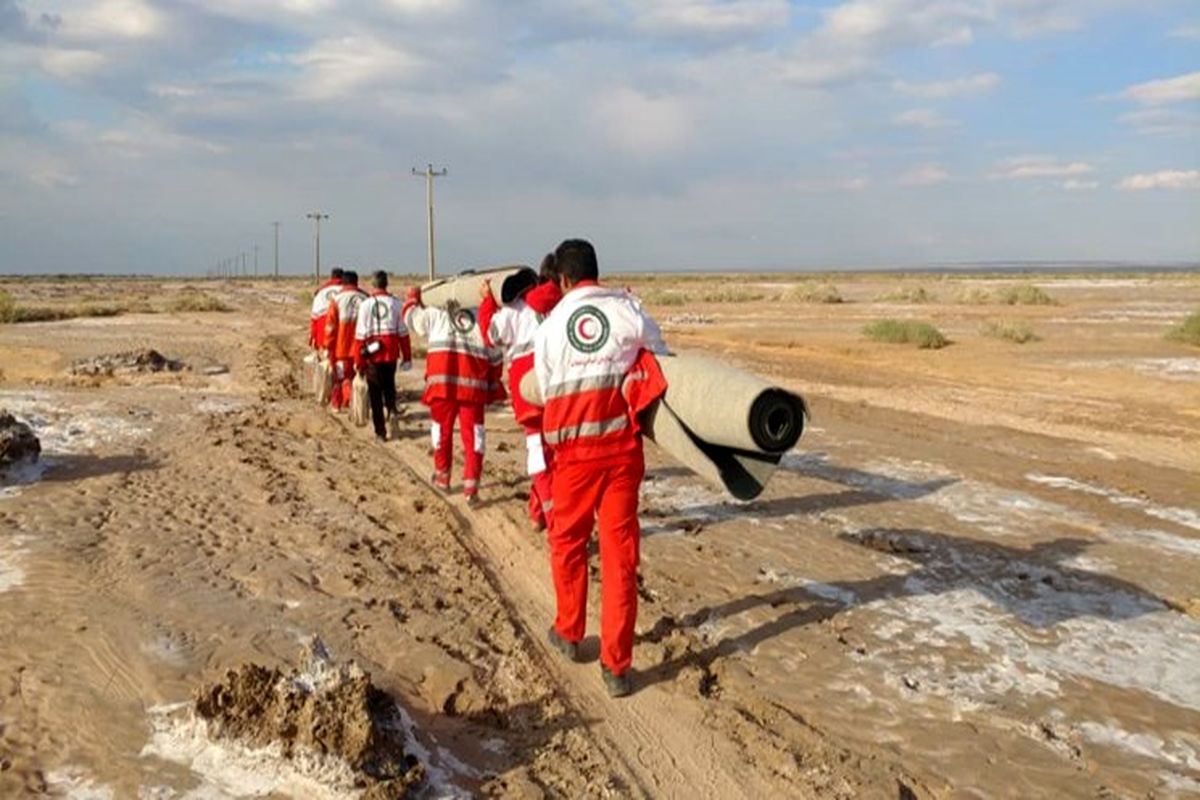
x,y
591,351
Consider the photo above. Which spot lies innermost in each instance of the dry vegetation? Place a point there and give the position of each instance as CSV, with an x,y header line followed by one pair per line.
x,y
906,331
198,301
814,293
908,294
1023,294
1187,331
1016,331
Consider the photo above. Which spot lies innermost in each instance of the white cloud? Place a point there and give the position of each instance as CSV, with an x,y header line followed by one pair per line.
x,y
854,183
1190,32
642,125
1167,90
1025,167
111,19
71,64
955,87
1166,179
925,118
924,175
1163,122
712,17
1076,185
334,67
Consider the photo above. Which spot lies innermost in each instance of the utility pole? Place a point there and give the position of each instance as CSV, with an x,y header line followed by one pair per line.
x,y
243,263
256,261
316,217
275,225
429,174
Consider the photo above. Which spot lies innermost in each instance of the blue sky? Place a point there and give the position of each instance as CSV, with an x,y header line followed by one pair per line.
x,y
145,136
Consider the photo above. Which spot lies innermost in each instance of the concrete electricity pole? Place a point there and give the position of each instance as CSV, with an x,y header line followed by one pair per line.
x,y
317,216
429,174
256,261
275,225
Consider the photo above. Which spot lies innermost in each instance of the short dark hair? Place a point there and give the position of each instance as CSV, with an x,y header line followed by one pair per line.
x,y
350,277
549,269
380,279
337,273
576,260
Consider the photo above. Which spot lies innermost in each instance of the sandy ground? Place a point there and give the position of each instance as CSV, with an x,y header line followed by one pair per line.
x,y
978,575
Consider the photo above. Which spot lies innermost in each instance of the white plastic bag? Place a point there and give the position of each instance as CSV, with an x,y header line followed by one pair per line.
x,y
322,382
360,403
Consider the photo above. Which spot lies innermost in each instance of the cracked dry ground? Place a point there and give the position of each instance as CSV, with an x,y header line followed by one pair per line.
x,y
222,537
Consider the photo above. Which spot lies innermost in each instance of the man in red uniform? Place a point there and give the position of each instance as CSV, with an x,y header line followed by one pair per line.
x,y
320,308
511,327
461,378
340,322
594,372
381,340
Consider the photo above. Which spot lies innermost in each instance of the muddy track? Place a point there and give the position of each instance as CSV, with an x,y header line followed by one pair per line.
x,y
688,740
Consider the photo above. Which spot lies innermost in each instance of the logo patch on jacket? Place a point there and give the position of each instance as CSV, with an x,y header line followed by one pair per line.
x,y
463,320
587,329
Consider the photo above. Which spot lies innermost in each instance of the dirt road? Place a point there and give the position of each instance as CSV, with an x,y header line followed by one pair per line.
x,y
950,590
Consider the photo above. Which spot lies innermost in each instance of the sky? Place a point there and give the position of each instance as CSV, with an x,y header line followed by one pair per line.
x,y
162,136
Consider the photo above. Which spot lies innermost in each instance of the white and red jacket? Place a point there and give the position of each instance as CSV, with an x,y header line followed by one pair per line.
x,y
340,322
585,354
320,308
459,366
511,328
380,320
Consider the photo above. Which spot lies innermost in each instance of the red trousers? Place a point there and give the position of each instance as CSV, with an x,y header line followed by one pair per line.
x,y
603,493
343,380
470,421
539,462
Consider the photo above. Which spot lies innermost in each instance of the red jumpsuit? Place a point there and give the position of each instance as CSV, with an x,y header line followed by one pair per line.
x,y
320,309
461,378
595,375
340,323
511,328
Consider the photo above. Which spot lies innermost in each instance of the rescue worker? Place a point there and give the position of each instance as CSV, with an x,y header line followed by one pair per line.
x,y
340,322
380,341
596,372
511,328
320,307
461,378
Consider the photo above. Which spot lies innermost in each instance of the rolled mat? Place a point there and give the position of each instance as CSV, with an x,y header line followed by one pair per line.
x,y
728,426
463,288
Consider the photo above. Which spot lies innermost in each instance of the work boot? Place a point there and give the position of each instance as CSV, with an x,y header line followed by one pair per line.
x,y
381,437
537,525
440,482
568,649
617,685
473,501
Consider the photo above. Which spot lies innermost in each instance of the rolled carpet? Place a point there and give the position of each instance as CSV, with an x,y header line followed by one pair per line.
x,y
463,288
728,426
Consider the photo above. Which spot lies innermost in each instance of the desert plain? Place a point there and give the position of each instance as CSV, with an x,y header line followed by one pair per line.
x,y
977,575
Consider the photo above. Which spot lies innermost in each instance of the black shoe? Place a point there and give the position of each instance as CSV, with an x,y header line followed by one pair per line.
x,y
617,685
473,501
568,649
381,437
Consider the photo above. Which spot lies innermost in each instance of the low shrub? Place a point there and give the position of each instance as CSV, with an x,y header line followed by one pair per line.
x,y
8,307
904,331
198,301
1014,331
732,296
1187,331
1025,294
661,298
974,296
814,293
908,294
